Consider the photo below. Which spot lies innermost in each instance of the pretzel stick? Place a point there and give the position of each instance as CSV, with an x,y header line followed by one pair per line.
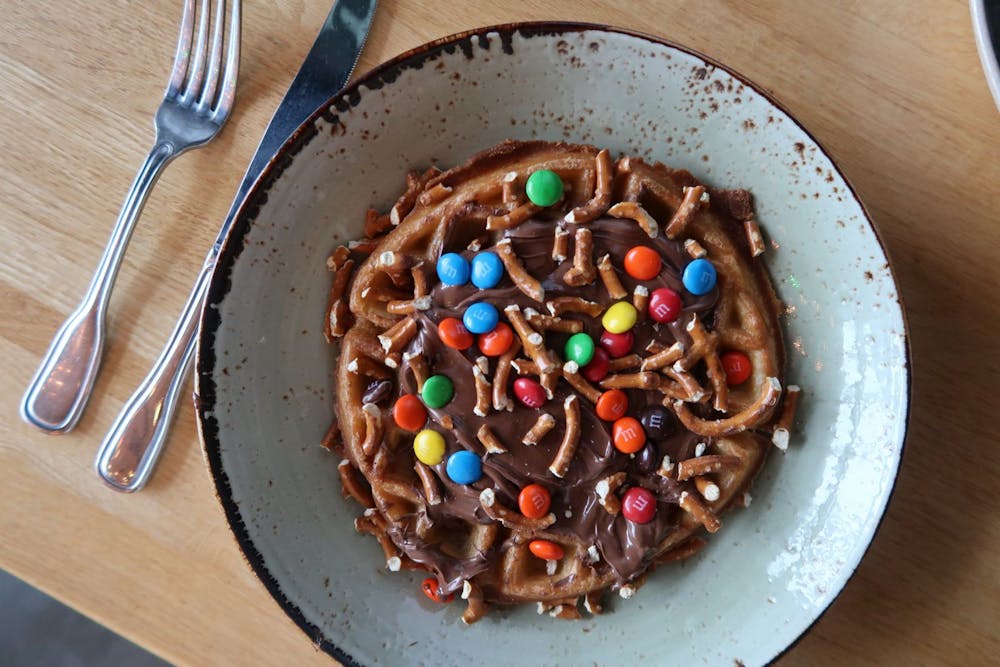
x,y
574,304
477,605
667,469
583,271
509,191
397,336
500,399
784,424
534,342
549,381
663,358
643,380
702,465
419,276
407,200
524,281
541,428
482,392
654,346
695,249
560,244
508,518
640,299
704,346
754,238
408,306
369,524
525,367
429,482
628,362
512,219
373,428
571,371
609,277
417,363
571,438
331,439
375,224
489,440
685,212
393,359
708,489
369,368
339,318
551,322
483,363
396,266
738,423
592,602
693,392
596,207
683,551
692,504
634,211
354,485
435,194
606,489
364,246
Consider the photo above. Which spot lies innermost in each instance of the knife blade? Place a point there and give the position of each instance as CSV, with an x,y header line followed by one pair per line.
x,y
128,454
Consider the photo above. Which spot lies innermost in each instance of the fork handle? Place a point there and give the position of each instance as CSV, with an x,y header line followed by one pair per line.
x,y
58,393
126,458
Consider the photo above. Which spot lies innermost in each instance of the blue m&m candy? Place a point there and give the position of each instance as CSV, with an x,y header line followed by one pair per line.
x,y
699,277
453,269
487,270
481,317
464,467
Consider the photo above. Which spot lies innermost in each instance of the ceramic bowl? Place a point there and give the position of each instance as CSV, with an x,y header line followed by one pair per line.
x,y
264,370
986,26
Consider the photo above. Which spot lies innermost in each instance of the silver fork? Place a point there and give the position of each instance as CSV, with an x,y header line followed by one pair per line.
x,y
197,102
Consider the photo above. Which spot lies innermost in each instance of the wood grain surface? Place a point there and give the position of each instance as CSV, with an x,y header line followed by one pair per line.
x,y
894,91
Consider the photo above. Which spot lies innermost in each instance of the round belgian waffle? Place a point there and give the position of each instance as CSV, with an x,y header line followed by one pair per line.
x,y
563,269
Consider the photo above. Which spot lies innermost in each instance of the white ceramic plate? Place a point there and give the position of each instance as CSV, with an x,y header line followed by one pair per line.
x,y
265,371
985,24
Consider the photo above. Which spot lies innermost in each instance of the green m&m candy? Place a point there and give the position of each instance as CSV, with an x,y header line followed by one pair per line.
x,y
544,187
580,348
437,391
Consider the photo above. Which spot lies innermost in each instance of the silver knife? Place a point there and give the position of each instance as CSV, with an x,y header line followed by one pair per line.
x,y
129,452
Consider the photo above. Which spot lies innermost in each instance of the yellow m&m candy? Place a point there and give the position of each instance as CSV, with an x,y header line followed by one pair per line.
x,y
429,447
620,317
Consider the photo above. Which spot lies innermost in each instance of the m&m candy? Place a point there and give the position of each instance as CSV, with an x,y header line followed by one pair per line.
x,y
546,550
699,277
646,459
481,317
639,505
544,188
665,305
428,446
619,317
496,342
617,344
437,391
454,334
657,422
642,262
432,589
487,270
453,269
627,435
579,348
737,367
597,369
409,413
611,405
464,467
534,501
529,392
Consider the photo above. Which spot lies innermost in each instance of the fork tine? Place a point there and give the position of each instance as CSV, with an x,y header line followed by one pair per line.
x,y
183,50
196,72
228,87
215,59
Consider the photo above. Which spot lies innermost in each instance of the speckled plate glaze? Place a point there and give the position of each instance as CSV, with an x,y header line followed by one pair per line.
x,y
264,370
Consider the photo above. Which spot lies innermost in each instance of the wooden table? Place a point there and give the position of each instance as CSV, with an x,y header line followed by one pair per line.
x,y
893,90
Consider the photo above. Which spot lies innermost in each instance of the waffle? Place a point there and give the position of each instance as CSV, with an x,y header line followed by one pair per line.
x,y
562,270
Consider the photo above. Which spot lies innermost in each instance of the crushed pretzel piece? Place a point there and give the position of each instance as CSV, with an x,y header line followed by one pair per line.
x,y
417,364
667,469
338,318
408,306
592,602
489,440
560,244
552,323
634,211
534,342
640,299
641,380
754,238
501,401
703,465
690,204
693,505
571,371
523,280
375,224
375,525
369,368
574,304
509,518
583,272
593,209
606,490
612,283
406,201
784,424
354,485
396,337
737,423
483,389
511,193
540,429
549,380
373,428
432,491
477,605
571,438
364,246
515,217
695,249
434,195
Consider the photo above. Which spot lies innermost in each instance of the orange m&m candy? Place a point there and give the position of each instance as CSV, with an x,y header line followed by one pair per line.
x,y
642,263
612,405
409,413
432,590
534,501
546,550
496,342
454,334
627,435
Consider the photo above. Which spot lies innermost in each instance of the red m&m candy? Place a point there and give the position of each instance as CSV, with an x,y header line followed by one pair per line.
x,y
597,369
617,344
409,413
529,392
639,505
534,501
496,342
432,589
454,334
737,367
665,305
612,405
627,435
642,263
